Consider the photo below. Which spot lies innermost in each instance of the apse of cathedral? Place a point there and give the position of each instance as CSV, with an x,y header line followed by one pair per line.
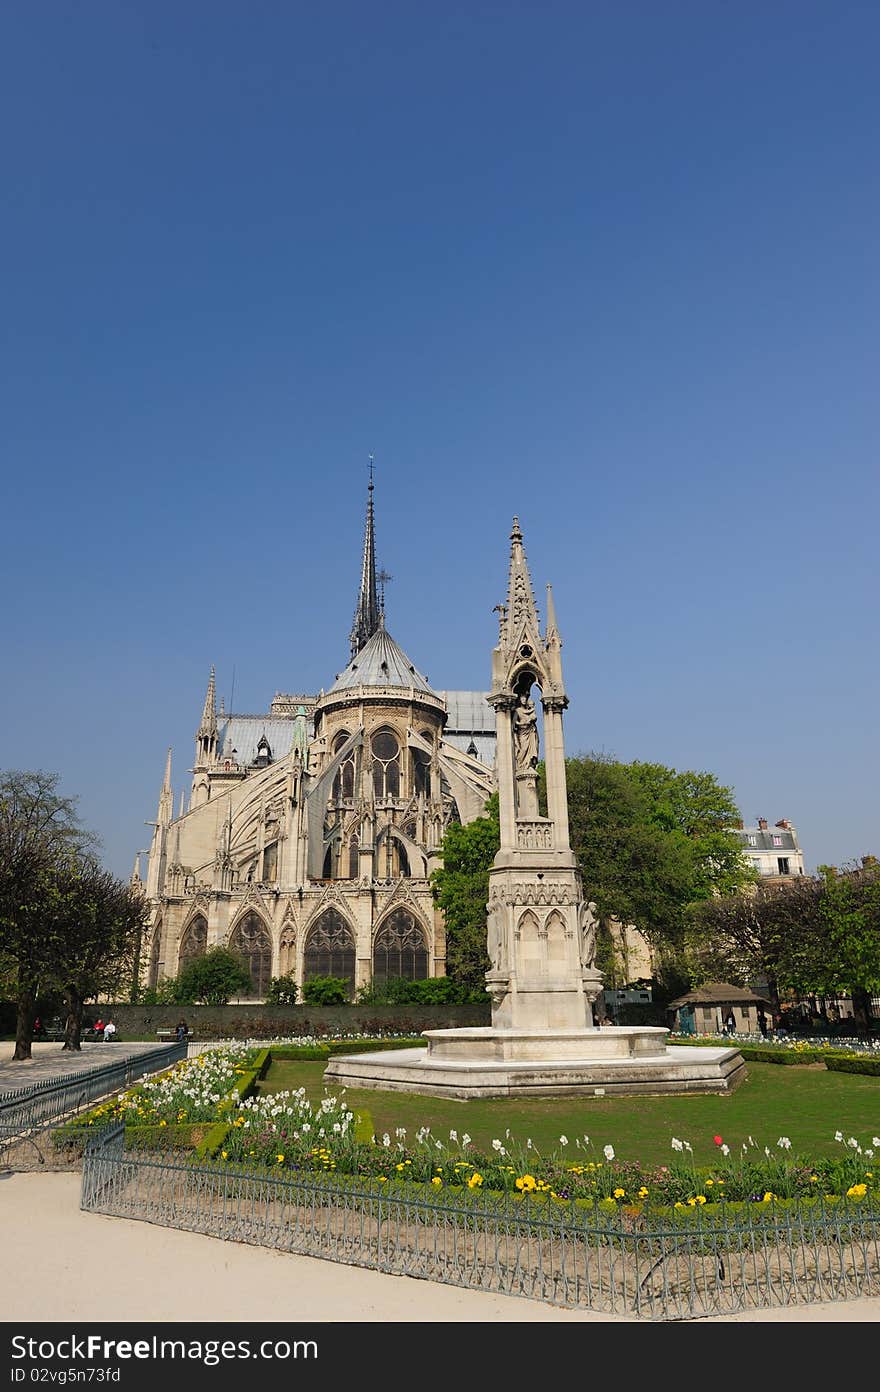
x,y
311,831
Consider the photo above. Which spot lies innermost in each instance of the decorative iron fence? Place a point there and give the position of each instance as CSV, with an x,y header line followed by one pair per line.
x,y
564,1255
29,1109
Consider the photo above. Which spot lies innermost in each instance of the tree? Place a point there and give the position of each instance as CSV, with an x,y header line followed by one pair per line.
x,y
40,835
283,990
96,927
461,888
325,990
770,931
212,978
650,842
850,915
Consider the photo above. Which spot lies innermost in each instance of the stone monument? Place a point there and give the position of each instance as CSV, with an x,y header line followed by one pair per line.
x,y
541,930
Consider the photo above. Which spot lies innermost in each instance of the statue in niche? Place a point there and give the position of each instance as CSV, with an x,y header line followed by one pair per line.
x,y
588,923
495,936
525,735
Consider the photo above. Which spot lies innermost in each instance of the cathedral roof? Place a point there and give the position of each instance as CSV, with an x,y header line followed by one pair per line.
x,y
381,662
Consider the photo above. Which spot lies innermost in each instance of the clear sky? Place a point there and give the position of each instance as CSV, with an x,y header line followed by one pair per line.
x,y
611,267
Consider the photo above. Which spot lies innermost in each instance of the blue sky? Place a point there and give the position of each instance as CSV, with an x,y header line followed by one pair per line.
x,y
611,267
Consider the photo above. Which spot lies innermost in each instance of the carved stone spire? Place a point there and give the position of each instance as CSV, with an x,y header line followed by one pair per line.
x,y
208,724
206,735
366,617
521,612
166,797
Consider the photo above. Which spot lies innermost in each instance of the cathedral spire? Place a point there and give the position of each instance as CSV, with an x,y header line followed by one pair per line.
x,y
366,617
166,796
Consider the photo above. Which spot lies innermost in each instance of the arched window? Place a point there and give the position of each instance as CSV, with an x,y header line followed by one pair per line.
x,y
194,942
421,772
386,764
343,783
330,949
250,940
399,948
155,959
354,866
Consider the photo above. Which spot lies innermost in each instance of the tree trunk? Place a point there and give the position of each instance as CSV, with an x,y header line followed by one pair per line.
x,y
24,1023
73,1023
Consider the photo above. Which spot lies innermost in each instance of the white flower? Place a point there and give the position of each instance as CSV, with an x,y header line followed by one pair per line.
x,y
465,1140
689,1147
529,1143
386,1140
453,1135
784,1142
869,1155
853,1143
608,1152
875,1140
496,1145
563,1140
767,1151
725,1150
676,1144
838,1135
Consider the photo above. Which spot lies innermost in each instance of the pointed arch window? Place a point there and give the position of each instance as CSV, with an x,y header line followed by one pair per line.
x,y
386,764
330,949
343,783
156,963
194,942
251,941
399,949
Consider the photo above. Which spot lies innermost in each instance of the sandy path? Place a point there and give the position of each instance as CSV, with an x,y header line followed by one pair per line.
x,y
163,1275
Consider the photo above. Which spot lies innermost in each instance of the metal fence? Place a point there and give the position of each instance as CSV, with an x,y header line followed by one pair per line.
x,y
27,1110
563,1255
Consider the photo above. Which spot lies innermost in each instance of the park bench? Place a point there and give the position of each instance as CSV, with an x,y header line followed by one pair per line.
x,y
171,1034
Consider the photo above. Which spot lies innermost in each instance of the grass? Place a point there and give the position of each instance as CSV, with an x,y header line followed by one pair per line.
x,y
807,1104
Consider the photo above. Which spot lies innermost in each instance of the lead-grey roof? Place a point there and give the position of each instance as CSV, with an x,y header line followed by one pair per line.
x,y
468,711
242,733
773,839
381,662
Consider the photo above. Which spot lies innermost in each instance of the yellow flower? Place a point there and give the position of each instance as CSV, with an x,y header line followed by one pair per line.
x,y
769,1196
526,1183
643,1193
437,1180
701,1198
620,1193
857,1191
163,1123
224,1155
475,1181
280,1159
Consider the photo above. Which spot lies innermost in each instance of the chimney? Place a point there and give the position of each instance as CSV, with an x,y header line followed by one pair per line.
x,y
762,823
784,823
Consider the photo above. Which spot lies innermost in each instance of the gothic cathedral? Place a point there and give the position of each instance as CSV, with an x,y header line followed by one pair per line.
x,y
312,831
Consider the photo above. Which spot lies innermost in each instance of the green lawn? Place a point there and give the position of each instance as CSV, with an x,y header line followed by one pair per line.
x,y
807,1104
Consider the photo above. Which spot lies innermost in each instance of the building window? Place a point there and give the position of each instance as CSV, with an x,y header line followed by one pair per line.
x,y
782,862
343,783
193,944
329,949
753,840
386,764
399,949
270,862
251,941
777,840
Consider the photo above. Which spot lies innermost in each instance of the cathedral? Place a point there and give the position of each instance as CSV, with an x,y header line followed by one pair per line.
x,y
312,831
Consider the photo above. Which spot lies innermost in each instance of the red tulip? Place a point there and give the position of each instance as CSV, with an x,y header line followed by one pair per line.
x,y
719,1140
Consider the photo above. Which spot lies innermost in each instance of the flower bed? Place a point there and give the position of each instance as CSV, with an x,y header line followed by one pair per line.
x,y
207,1104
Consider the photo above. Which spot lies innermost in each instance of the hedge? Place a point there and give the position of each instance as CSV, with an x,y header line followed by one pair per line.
x,y
843,1063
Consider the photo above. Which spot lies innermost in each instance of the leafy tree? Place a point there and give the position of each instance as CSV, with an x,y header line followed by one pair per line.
x,y
850,915
326,990
431,990
283,990
461,888
650,842
212,978
40,835
770,931
95,929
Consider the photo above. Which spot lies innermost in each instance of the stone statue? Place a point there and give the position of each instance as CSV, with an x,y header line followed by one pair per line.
x,y
587,924
525,736
495,936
